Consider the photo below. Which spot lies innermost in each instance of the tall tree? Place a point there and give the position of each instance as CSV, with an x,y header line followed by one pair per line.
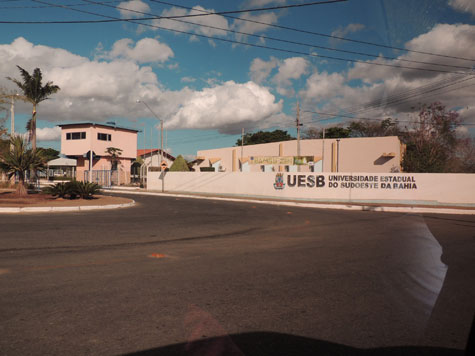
x,y
265,137
19,160
366,128
35,92
432,142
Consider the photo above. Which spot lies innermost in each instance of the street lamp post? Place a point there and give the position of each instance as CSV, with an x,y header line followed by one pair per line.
x,y
161,134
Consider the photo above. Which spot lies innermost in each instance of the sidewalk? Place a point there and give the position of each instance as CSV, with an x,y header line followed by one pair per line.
x,y
389,206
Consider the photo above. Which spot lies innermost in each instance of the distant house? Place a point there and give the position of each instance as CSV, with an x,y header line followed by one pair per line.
x,y
88,143
151,157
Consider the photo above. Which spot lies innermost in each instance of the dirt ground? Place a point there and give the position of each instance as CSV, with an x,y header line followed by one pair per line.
x,y
8,198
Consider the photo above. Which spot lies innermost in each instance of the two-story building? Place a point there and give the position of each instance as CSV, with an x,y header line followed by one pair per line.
x,y
91,144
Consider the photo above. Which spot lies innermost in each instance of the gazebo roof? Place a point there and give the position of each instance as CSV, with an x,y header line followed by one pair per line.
x,y
63,162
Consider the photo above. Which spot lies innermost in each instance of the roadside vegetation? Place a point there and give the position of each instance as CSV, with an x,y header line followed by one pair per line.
x,y
73,190
20,159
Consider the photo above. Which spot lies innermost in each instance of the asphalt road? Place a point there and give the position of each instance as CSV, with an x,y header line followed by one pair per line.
x,y
176,276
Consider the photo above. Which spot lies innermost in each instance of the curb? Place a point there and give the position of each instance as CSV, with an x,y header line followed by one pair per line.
x,y
47,209
316,205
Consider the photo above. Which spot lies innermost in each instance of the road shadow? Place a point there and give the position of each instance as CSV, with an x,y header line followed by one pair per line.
x,y
277,344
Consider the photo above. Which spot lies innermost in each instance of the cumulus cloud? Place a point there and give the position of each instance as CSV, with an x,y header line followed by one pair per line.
x,y
226,107
463,5
146,50
192,24
134,5
101,89
253,27
48,134
378,91
260,69
289,69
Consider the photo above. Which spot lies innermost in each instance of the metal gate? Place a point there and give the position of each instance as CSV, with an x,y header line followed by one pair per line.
x,y
104,178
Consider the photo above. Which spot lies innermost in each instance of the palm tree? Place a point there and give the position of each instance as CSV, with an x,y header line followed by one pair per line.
x,y
115,154
34,92
19,160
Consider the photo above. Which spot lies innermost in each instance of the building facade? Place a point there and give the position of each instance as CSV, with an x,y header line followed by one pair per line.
x,y
88,143
365,154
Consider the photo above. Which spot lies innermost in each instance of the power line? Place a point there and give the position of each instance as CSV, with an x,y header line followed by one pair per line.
x,y
332,116
285,41
256,45
112,19
412,95
318,33
49,6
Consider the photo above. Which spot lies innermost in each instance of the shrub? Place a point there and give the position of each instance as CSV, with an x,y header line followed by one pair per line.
x,y
61,190
87,190
207,169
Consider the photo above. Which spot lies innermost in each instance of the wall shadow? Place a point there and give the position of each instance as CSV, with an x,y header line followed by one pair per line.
x,y
277,344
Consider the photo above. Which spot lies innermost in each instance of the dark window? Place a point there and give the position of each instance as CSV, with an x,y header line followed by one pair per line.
x,y
75,135
103,137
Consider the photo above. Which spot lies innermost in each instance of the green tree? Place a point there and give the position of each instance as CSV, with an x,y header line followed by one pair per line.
x,y
265,137
180,165
35,92
49,153
19,160
432,143
330,132
115,154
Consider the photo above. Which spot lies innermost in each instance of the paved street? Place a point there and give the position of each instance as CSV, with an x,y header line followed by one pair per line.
x,y
171,274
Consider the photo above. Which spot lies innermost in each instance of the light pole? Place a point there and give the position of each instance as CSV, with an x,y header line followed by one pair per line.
x,y
161,134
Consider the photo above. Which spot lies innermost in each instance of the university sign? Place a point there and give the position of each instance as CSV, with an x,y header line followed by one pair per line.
x,y
344,181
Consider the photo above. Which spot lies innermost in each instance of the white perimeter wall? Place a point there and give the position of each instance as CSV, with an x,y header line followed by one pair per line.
x,y
422,188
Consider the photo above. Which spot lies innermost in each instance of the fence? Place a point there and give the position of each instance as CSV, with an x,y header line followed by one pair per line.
x,y
104,178
419,188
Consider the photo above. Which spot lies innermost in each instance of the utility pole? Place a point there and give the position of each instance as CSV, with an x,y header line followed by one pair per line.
x,y
12,111
161,129
161,142
242,144
323,151
298,133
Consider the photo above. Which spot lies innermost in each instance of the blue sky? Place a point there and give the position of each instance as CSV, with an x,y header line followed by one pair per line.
x,y
206,89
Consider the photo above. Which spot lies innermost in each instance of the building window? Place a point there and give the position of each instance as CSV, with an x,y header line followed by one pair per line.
x,y
103,137
76,135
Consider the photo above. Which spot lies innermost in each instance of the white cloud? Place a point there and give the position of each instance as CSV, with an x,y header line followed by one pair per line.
x,y
192,24
226,107
188,80
344,31
147,50
395,91
98,90
463,5
135,5
289,69
48,134
252,27
260,69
